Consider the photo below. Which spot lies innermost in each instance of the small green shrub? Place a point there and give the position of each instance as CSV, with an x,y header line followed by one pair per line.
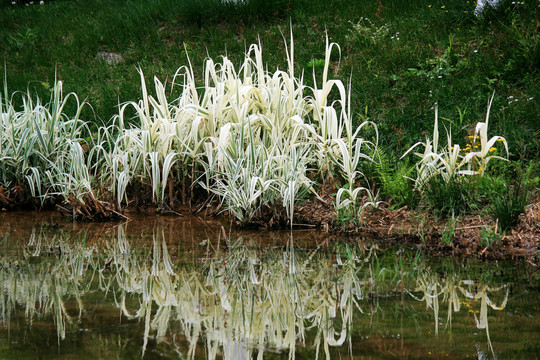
x,y
393,180
453,197
447,235
507,207
511,198
489,236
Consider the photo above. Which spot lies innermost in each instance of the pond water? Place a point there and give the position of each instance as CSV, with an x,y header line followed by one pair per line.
x,y
185,288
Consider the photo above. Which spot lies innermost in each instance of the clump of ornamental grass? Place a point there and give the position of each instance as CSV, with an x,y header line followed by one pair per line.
x,y
451,164
41,148
43,153
253,138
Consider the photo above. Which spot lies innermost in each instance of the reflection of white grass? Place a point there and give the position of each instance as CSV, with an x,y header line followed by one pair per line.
x,y
432,287
42,288
244,302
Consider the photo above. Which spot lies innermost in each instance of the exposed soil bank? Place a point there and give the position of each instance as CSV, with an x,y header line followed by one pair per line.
x,y
470,233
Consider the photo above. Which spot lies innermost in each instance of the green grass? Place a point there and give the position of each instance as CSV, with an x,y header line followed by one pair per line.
x,y
478,56
401,58
509,198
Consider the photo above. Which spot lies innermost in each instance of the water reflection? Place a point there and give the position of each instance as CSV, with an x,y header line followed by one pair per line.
x,y
231,299
454,292
241,301
48,273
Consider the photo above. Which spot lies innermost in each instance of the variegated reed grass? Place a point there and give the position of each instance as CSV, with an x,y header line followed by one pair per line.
x,y
254,138
42,149
450,163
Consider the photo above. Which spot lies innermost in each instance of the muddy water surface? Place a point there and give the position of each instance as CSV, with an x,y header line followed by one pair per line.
x,y
185,288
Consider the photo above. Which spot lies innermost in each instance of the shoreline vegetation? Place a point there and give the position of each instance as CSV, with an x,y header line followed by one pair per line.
x,y
287,143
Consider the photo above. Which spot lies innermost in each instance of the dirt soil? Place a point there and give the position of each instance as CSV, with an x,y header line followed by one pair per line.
x,y
417,228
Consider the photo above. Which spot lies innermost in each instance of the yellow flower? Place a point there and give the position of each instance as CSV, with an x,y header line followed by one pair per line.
x,y
492,149
501,139
442,7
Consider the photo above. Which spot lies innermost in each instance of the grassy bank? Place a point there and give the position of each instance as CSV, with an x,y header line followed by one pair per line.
x,y
404,61
402,57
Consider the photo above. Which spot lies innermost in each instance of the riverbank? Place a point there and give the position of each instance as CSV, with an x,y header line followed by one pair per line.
x,y
472,235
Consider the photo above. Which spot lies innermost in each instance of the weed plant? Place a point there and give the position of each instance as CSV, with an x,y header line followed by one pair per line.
x,y
489,236
454,197
391,177
447,234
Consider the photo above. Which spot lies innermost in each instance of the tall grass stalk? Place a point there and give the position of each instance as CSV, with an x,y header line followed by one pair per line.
x,y
42,148
450,162
254,138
